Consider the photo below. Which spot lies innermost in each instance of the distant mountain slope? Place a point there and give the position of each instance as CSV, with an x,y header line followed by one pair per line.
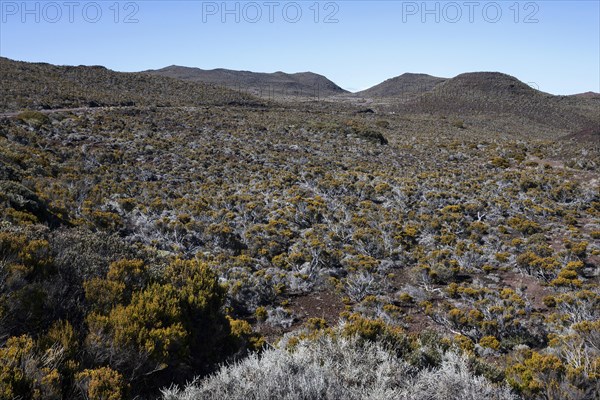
x,y
305,83
589,135
406,86
486,82
587,95
497,93
44,86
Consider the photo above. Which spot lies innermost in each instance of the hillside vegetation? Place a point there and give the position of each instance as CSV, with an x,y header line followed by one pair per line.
x,y
491,93
279,84
298,250
404,86
44,86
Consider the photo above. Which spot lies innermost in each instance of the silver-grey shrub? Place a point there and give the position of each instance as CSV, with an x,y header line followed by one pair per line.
x,y
339,368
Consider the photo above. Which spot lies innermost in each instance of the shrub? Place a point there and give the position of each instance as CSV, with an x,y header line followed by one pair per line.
x,y
166,327
374,330
523,225
260,313
339,368
242,335
459,123
27,374
382,123
536,374
101,384
490,342
579,249
34,118
21,198
359,129
500,162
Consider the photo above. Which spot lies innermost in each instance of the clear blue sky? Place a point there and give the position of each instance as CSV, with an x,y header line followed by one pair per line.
x,y
554,44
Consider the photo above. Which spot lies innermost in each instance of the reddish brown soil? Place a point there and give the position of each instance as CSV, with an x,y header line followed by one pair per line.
x,y
326,305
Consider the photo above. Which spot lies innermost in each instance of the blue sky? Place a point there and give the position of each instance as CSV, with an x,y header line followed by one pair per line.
x,y
554,45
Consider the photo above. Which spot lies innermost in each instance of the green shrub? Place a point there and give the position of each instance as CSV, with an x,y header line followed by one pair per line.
x,y
101,384
27,374
34,118
459,123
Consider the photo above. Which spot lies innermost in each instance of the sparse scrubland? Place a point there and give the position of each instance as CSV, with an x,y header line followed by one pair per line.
x,y
302,250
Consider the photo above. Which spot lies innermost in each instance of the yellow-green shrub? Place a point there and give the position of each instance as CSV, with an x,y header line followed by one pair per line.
x,y
101,384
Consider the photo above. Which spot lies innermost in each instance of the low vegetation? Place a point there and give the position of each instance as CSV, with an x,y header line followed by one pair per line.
x,y
331,367
274,249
